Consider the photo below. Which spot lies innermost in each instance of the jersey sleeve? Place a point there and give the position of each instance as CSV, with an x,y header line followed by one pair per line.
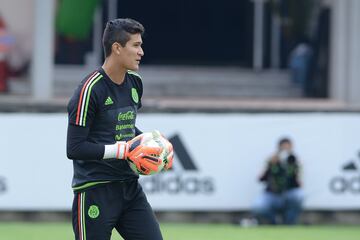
x,y
137,131
82,106
77,146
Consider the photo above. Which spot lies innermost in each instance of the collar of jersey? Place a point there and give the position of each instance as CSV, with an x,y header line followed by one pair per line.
x,y
107,78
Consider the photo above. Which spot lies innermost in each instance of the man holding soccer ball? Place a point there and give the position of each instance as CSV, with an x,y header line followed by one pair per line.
x,y
107,150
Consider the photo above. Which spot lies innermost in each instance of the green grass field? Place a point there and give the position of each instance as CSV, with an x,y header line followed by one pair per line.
x,y
61,231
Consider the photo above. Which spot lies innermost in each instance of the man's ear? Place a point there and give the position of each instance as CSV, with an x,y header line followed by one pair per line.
x,y
116,48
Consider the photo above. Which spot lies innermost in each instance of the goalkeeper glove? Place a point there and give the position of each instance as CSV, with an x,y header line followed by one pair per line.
x,y
144,157
170,156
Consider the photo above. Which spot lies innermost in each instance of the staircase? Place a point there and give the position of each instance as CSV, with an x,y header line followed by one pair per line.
x,y
217,82
185,81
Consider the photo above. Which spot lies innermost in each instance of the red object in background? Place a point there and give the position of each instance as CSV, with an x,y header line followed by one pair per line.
x,y
6,43
4,73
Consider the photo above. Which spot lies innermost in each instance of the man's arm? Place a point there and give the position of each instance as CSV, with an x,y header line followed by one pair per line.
x,y
82,109
265,174
78,147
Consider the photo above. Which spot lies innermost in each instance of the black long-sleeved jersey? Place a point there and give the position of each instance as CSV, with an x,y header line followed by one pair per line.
x,y
101,112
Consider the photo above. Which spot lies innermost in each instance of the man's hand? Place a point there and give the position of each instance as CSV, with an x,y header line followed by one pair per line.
x,y
145,158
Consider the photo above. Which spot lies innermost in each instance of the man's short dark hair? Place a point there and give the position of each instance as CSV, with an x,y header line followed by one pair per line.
x,y
284,140
119,30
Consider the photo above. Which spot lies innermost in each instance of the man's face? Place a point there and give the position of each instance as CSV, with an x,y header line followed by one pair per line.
x,y
286,146
131,54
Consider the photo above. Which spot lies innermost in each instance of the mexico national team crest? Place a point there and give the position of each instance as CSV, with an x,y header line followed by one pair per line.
x,y
134,95
93,211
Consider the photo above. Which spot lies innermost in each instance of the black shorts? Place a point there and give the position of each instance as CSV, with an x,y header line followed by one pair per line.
x,y
120,205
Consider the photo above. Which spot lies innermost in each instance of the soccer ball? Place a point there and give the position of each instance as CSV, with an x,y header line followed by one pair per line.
x,y
154,139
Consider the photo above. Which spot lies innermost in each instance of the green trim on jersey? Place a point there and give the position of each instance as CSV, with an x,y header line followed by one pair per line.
x,y
90,184
88,97
83,215
134,73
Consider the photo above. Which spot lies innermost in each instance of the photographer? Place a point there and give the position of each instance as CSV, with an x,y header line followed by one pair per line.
x,y
283,195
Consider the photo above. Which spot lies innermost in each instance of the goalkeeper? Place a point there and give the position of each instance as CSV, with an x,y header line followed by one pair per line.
x,y
101,138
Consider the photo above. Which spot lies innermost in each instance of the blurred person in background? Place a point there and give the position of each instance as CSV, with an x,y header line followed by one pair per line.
x,y
73,30
6,44
102,136
299,64
281,201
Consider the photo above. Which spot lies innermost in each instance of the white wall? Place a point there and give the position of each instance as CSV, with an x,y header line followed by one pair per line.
x,y
228,150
